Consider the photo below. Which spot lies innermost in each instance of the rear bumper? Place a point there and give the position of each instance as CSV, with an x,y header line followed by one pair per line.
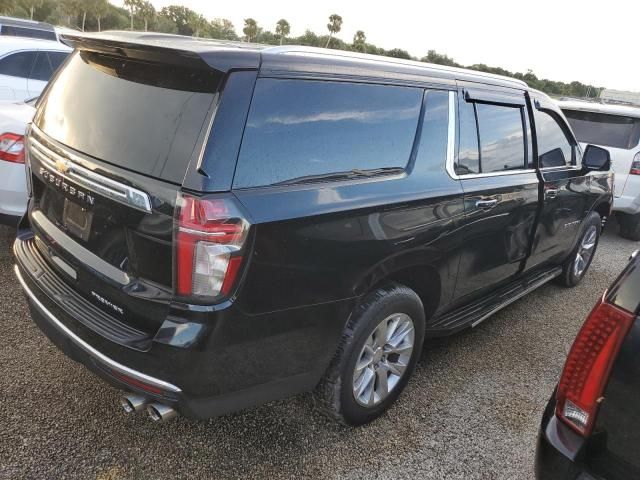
x,y
238,362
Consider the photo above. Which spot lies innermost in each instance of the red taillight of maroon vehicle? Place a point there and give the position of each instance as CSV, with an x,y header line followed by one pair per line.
x,y
210,237
586,371
12,148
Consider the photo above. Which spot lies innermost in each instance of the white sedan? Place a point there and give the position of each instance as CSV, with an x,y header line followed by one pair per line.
x,y
14,118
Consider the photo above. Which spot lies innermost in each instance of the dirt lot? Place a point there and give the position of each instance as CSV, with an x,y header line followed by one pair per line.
x,y
471,411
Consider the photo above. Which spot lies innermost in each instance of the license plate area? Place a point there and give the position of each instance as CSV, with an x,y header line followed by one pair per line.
x,y
77,219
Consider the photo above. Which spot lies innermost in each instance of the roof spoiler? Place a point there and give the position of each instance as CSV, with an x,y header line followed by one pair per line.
x,y
149,50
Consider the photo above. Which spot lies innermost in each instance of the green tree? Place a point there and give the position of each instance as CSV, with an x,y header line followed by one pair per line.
x,y
359,41
30,6
199,25
69,8
282,29
183,17
398,53
223,29
100,8
435,57
147,12
308,38
250,29
7,6
165,25
133,6
334,26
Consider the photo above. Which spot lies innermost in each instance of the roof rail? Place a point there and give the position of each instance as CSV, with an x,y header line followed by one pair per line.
x,y
305,50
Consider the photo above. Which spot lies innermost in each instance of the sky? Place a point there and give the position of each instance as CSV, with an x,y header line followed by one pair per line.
x,y
594,42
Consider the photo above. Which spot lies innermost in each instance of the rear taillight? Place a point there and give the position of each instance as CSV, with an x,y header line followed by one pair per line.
x,y
588,366
635,165
209,245
12,148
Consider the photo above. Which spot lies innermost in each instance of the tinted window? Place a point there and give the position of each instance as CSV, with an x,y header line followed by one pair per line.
x,y
607,130
17,64
432,148
300,128
501,138
468,153
12,31
150,115
46,64
554,148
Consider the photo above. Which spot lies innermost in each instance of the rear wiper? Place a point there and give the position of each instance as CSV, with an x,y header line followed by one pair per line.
x,y
348,175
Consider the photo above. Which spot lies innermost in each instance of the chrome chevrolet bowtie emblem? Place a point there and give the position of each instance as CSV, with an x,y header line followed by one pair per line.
x,y
62,166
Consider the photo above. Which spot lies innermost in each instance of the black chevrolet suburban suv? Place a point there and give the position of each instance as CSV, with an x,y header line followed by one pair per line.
x,y
212,225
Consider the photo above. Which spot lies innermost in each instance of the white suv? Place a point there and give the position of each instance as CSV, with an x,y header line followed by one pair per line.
x,y
27,64
616,128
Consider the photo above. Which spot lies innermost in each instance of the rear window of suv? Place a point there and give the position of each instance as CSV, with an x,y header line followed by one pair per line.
x,y
299,129
615,131
141,116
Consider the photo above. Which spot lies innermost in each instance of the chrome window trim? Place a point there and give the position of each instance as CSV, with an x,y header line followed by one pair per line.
x,y
451,144
565,167
91,351
498,174
111,189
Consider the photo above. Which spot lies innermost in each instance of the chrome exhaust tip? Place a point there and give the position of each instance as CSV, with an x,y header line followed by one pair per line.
x,y
133,403
160,413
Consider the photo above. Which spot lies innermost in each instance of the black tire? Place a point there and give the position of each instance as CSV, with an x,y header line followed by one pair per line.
x,y
569,277
629,225
334,395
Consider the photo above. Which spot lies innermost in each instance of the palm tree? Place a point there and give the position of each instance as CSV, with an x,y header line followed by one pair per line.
x,y
334,26
282,29
359,40
250,29
147,12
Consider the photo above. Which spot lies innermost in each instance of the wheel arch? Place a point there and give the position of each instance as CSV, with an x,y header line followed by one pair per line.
x,y
423,278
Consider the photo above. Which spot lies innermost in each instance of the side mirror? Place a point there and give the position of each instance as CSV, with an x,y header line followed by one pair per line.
x,y
596,158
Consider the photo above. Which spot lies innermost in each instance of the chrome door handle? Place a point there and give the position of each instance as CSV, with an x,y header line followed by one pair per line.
x,y
550,193
486,204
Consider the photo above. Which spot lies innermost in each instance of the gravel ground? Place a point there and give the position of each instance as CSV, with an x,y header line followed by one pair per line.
x,y
471,410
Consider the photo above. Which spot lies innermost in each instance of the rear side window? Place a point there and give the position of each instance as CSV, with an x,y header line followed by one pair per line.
x,y
46,64
17,64
554,147
304,128
148,117
11,31
615,131
432,148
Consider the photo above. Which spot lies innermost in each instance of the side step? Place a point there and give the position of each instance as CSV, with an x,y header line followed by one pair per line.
x,y
475,313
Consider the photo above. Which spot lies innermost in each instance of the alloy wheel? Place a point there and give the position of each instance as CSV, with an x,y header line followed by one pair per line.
x,y
383,359
585,251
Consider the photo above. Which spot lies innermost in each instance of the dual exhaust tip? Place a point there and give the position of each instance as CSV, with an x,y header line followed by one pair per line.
x,y
158,412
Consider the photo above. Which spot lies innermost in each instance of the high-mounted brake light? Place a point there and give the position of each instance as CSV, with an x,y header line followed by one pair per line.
x,y
12,148
586,371
209,240
635,165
